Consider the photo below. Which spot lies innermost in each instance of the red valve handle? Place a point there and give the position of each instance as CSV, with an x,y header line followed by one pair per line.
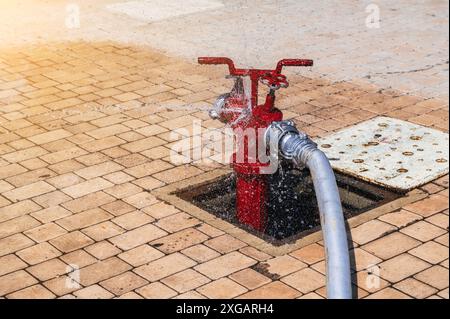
x,y
293,62
274,80
218,60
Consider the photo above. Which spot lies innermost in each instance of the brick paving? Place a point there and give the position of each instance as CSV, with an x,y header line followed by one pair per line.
x,y
85,141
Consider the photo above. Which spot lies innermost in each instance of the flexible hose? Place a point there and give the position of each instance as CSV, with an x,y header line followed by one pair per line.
x,y
297,147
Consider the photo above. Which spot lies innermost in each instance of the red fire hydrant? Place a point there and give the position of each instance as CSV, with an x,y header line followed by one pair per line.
x,y
240,109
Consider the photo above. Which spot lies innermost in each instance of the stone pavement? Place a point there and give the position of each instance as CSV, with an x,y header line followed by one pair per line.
x,y
85,142
407,50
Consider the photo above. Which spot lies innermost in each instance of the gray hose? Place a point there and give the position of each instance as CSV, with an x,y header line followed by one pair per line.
x,y
297,147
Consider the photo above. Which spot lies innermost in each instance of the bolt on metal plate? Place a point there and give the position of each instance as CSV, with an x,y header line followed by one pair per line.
x,y
389,152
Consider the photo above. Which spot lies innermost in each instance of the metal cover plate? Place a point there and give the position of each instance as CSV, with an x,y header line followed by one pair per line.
x,y
389,152
156,10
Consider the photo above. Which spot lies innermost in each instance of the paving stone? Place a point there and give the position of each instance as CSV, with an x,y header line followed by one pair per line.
x,y
388,293
225,244
423,231
440,220
177,222
51,214
52,199
84,219
141,255
93,292
71,241
164,267
138,236
435,276
14,243
305,280
200,253
222,288
102,250
123,283
274,290
250,279
391,245
118,208
156,290
132,220
401,218
415,288
401,267
161,210
185,281
38,253
10,263
89,201
282,266
370,231
79,258
87,187
18,209
141,200
179,241
310,254
15,281
361,259
428,206
98,170
225,265
17,225
102,270
49,269
33,292
103,231
45,232
431,252
28,191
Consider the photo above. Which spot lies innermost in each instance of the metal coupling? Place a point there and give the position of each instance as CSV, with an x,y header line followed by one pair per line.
x,y
284,138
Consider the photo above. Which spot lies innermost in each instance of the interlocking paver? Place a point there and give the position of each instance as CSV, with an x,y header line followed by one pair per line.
x,y
401,267
274,290
165,266
391,245
15,281
423,231
10,263
179,241
186,280
48,269
71,241
435,276
28,191
138,236
84,153
156,290
225,265
305,280
33,292
370,231
93,292
431,252
102,270
123,283
38,253
222,288
415,288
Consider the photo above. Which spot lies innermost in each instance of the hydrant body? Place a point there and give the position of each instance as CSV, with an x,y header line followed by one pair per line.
x,y
240,109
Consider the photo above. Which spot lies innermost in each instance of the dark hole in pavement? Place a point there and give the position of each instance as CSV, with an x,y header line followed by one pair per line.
x,y
292,207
